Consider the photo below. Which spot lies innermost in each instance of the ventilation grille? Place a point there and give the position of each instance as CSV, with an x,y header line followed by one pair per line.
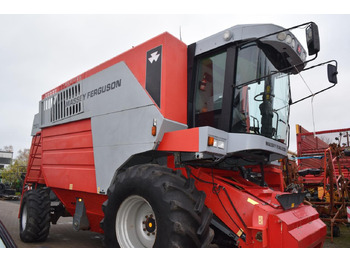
x,y
65,103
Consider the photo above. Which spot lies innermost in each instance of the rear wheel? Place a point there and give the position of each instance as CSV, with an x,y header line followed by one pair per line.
x,y
34,221
152,206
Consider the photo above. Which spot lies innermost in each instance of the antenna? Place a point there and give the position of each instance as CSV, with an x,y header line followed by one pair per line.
x,y
180,33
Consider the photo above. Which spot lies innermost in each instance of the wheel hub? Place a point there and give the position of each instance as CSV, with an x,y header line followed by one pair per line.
x,y
149,225
135,223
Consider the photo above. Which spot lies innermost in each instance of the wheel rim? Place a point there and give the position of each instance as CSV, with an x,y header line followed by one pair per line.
x,y
135,223
24,217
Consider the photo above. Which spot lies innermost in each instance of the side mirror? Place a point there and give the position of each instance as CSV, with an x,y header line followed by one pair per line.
x,y
332,73
312,39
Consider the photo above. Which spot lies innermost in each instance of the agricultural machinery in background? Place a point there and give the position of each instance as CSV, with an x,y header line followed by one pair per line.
x,y
322,172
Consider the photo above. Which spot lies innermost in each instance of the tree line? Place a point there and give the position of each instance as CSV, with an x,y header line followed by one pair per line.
x,y
13,174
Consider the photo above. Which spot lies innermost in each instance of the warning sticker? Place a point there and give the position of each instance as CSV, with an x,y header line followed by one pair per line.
x,y
251,201
260,220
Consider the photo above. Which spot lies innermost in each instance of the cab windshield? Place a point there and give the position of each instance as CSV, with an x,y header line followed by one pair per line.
x,y
258,97
261,96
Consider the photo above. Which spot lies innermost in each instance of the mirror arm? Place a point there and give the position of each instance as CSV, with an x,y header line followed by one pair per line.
x,y
328,62
312,95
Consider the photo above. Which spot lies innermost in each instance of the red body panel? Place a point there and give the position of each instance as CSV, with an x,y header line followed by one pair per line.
x,y
63,160
260,211
174,73
297,228
93,204
183,140
68,157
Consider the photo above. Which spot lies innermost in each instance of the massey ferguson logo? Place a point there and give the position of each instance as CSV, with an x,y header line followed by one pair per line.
x,y
154,57
282,148
95,92
154,73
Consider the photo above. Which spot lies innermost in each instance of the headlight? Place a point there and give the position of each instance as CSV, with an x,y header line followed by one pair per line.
x,y
215,142
282,36
288,39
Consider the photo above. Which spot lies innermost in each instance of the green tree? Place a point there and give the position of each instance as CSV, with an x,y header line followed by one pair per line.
x,y
11,174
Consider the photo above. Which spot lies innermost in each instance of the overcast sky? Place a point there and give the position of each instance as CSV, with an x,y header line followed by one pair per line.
x,y
40,52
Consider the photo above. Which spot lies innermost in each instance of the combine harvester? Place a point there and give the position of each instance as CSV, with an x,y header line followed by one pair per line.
x,y
168,145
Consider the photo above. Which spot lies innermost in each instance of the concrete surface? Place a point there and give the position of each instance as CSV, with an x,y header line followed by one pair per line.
x,y
61,235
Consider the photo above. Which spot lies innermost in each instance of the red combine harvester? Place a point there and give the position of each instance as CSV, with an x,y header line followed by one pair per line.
x,y
168,145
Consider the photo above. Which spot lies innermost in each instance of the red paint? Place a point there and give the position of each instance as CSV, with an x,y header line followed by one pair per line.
x,y
68,157
174,73
299,227
259,209
93,204
182,141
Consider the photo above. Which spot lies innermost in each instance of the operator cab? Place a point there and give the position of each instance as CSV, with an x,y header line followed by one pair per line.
x,y
239,81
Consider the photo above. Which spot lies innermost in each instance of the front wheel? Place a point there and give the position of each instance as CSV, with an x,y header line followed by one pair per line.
x,y
152,206
135,223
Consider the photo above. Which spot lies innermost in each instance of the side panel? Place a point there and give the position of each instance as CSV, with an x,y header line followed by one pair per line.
x,y
174,80
196,140
299,227
93,204
95,122
183,140
67,157
114,89
114,97
120,135
173,93
247,208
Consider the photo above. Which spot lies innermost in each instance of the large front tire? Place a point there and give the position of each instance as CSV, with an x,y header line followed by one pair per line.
x,y
153,206
34,223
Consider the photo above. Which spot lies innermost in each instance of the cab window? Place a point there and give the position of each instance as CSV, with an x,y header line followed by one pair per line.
x,y
209,90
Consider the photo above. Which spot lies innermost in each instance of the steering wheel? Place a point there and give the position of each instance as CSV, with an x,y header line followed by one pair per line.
x,y
261,94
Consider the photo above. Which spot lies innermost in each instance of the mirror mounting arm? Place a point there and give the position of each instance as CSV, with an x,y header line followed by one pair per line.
x,y
332,78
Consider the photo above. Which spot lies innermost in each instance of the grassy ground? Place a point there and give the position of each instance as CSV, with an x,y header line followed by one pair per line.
x,y
338,242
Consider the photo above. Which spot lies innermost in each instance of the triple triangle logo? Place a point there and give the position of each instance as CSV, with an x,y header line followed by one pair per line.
x,y
154,57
